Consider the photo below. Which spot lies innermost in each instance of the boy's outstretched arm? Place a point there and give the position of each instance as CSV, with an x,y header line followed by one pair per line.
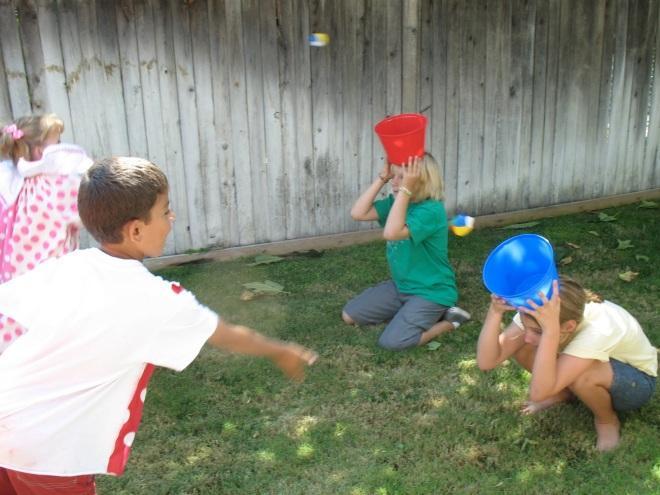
x,y
290,358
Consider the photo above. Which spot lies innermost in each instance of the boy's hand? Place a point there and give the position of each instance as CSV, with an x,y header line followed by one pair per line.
x,y
499,306
292,360
411,173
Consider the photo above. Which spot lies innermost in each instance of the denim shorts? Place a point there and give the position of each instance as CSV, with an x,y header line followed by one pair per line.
x,y
631,388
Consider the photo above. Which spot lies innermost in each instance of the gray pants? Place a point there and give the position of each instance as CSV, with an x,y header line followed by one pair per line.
x,y
409,316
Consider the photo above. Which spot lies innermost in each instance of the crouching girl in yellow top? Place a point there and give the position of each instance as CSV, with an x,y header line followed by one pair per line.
x,y
575,344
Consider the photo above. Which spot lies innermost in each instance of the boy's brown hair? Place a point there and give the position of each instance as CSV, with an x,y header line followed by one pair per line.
x,y
115,191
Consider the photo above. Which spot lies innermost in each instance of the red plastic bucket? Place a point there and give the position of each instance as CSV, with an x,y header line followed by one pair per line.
x,y
402,136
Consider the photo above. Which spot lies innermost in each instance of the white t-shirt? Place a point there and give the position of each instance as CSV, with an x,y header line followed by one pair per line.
x,y
72,388
608,331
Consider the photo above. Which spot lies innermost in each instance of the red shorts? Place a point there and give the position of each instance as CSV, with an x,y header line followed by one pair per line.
x,y
17,483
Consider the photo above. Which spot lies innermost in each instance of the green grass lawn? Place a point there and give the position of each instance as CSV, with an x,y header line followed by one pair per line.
x,y
369,421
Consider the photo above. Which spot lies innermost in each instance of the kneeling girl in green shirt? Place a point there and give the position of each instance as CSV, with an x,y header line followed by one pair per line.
x,y
419,300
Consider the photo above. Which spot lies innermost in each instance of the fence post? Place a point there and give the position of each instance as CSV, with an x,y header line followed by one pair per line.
x,y
410,56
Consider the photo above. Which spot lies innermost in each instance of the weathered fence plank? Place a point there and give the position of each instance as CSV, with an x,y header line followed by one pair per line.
x,y
223,224
15,74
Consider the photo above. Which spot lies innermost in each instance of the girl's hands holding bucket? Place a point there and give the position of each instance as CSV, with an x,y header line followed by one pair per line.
x,y
499,306
411,173
386,175
547,314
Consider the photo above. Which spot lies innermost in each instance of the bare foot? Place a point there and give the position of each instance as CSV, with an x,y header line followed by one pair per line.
x,y
608,435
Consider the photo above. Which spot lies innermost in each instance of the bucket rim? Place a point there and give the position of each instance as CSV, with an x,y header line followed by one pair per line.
x,y
421,118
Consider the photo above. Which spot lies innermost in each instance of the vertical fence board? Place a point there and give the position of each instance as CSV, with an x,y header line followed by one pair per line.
x,y
104,40
5,103
324,79
53,79
651,170
603,102
550,110
187,87
132,88
620,102
276,181
540,54
107,120
254,81
410,69
366,165
438,83
16,78
452,112
393,60
378,54
426,48
350,60
296,118
645,31
78,83
241,154
30,35
219,142
488,167
206,170
589,151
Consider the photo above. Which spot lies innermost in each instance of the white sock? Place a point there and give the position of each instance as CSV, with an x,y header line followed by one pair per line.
x,y
456,324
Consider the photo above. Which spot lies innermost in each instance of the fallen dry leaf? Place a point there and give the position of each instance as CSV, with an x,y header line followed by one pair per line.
x,y
628,276
247,295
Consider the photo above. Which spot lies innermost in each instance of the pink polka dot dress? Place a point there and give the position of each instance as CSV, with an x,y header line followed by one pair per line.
x,y
42,222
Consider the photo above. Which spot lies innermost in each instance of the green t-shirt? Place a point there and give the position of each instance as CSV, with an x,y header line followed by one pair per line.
x,y
420,265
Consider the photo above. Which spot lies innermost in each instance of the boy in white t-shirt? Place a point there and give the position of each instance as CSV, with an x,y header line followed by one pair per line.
x,y
73,387
575,344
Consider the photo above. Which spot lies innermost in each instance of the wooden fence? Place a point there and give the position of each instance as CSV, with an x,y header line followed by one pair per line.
x,y
264,138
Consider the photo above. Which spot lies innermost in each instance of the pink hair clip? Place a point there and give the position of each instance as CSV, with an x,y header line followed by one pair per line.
x,y
15,132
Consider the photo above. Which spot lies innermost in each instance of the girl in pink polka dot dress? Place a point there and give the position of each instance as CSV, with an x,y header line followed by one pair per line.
x,y
39,180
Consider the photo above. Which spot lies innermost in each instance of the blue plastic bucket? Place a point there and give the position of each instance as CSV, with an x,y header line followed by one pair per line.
x,y
519,268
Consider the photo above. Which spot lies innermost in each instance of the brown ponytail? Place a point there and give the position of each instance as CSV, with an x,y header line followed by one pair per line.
x,y
573,300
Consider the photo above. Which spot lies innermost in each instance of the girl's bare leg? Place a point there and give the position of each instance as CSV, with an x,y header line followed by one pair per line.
x,y
593,388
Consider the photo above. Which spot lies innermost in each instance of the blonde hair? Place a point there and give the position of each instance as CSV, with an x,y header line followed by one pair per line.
x,y
430,182
34,129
